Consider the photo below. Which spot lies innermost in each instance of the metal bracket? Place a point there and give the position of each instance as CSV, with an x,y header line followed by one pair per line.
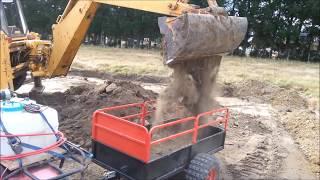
x,y
109,175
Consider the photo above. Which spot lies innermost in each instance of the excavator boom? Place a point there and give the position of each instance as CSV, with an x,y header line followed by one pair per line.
x,y
197,33
72,26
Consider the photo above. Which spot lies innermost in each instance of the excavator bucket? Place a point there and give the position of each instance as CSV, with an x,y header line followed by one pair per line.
x,y
193,36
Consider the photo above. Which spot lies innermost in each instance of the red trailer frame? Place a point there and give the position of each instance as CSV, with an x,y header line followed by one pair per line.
x,y
134,139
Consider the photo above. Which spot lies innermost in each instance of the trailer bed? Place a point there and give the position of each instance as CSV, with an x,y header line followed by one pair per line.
x,y
129,147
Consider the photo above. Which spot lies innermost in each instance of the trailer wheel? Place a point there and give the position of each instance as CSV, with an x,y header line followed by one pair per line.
x,y
203,167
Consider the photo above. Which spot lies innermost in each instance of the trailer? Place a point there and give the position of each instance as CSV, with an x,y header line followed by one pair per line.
x,y
124,143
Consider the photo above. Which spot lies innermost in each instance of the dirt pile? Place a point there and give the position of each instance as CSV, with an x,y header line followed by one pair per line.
x,y
263,92
292,111
304,126
77,105
191,89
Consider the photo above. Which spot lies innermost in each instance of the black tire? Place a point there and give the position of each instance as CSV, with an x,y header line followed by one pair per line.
x,y
18,81
202,167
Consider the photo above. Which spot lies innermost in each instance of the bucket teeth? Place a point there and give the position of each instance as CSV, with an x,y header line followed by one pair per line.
x,y
192,36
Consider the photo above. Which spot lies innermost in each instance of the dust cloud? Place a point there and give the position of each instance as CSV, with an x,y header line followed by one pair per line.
x,y
191,91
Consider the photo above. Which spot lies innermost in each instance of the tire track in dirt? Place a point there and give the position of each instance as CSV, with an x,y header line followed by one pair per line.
x,y
254,165
257,147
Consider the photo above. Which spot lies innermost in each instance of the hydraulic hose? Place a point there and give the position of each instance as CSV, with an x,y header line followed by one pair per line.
x,y
58,143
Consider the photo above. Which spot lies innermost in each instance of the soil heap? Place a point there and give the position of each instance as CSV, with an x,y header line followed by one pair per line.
x,y
76,105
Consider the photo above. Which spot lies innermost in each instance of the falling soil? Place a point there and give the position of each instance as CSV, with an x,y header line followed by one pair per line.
x,y
191,90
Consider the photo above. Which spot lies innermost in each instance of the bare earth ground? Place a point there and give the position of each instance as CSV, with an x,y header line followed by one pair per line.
x,y
274,127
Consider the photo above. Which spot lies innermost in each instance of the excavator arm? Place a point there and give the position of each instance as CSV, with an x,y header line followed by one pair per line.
x,y
73,24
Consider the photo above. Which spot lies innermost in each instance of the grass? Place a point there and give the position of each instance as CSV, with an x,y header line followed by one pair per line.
x,y
121,61
290,74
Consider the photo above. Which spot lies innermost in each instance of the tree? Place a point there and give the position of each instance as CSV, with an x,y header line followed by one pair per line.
x,y
289,27
41,14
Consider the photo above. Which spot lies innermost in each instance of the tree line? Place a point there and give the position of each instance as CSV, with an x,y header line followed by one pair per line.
x,y
289,29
